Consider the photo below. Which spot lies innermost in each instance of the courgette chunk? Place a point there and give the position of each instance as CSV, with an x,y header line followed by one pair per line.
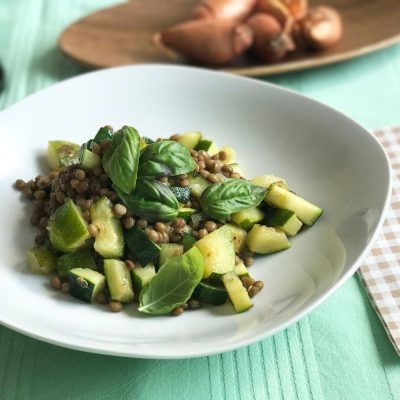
x,y
85,284
141,276
237,292
218,251
267,180
61,153
247,218
82,258
141,246
182,194
208,146
239,236
198,185
264,240
118,280
283,219
305,211
40,260
168,251
210,294
190,139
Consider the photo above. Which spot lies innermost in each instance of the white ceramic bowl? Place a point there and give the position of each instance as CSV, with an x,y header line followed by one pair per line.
x,y
325,157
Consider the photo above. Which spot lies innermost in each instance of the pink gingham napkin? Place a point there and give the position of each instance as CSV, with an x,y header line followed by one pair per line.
x,y
380,272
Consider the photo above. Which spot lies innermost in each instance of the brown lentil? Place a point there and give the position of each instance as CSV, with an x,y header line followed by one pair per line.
x,y
141,223
164,237
130,264
35,218
222,155
248,261
179,222
43,222
93,230
201,164
202,232
175,137
153,235
129,223
20,184
193,153
247,281
194,304
86,215
164,179
211,226
60,196
210,164
227,168
101,298
39,195
178,311
217,166
212,178
115,306
235,175
184,182
119,210
95,148
253,291
82,187
215,157
185,306
65,287
259,285
160,227
204,173
237,260
203,154
80,174
40,239
55,282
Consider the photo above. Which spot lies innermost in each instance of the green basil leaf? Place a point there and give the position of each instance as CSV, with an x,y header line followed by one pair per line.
x,y
151,200
222,199
121,159
172,158
174,283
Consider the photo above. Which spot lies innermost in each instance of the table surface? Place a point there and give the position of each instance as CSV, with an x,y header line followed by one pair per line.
x,y
339,351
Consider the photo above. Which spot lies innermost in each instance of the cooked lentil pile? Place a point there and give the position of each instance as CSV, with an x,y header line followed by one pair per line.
x,y
124,219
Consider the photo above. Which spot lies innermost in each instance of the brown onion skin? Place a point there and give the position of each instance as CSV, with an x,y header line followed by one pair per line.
x,y
236,10
210,42
271,43
322,27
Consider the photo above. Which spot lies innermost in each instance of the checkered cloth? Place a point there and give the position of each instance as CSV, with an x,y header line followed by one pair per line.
x,y
380,272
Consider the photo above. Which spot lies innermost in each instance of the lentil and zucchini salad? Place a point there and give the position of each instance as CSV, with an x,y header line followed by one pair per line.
x,y
170,224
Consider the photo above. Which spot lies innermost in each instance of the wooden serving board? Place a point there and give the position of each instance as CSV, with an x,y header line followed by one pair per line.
x,y
121,35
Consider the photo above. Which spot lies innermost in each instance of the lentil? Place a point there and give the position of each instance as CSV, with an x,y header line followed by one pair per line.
x,y
203,154
65,287
227,168
237,260
178,311
222,155
212,178
204,173
39,195
235,175
248,261
253,291
80,174
247,281
101,298
153,235
184,182
115,306
202,232
210,226
93,230
175,137
130,264
119,210
194,304
259,285
141,223
193,153
160,227
55,282
129,223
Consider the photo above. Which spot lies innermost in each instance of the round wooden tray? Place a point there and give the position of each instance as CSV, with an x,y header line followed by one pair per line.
x,y
121,35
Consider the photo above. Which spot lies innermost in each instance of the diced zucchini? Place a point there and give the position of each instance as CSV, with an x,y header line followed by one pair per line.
x,y
241,270
141,276
267,180
247,218
210,294
230,155
168,251
198,185
283,219
218,251
85,284
87,159
62,154
197,219
118,280
190,139
68,230
208,146
109,242
305,211
239,236
141,246
40,260
187,241
104,133
237,168
186,212
82,258
264,240
147,140
237,292
182,194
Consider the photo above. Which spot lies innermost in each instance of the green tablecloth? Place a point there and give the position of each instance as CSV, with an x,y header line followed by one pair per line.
x,y
339,351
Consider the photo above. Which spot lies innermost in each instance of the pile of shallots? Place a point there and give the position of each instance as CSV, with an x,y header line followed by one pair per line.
x,y
221,30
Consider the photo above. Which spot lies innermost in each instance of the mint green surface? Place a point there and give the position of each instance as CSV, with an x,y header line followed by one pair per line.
x,y
339,351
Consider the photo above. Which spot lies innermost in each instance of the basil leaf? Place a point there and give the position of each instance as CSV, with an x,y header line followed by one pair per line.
x,y
151,200
121,159
222,199
165,158
174,283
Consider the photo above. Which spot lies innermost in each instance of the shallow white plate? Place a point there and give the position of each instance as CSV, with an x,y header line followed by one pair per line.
x,y
324,156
